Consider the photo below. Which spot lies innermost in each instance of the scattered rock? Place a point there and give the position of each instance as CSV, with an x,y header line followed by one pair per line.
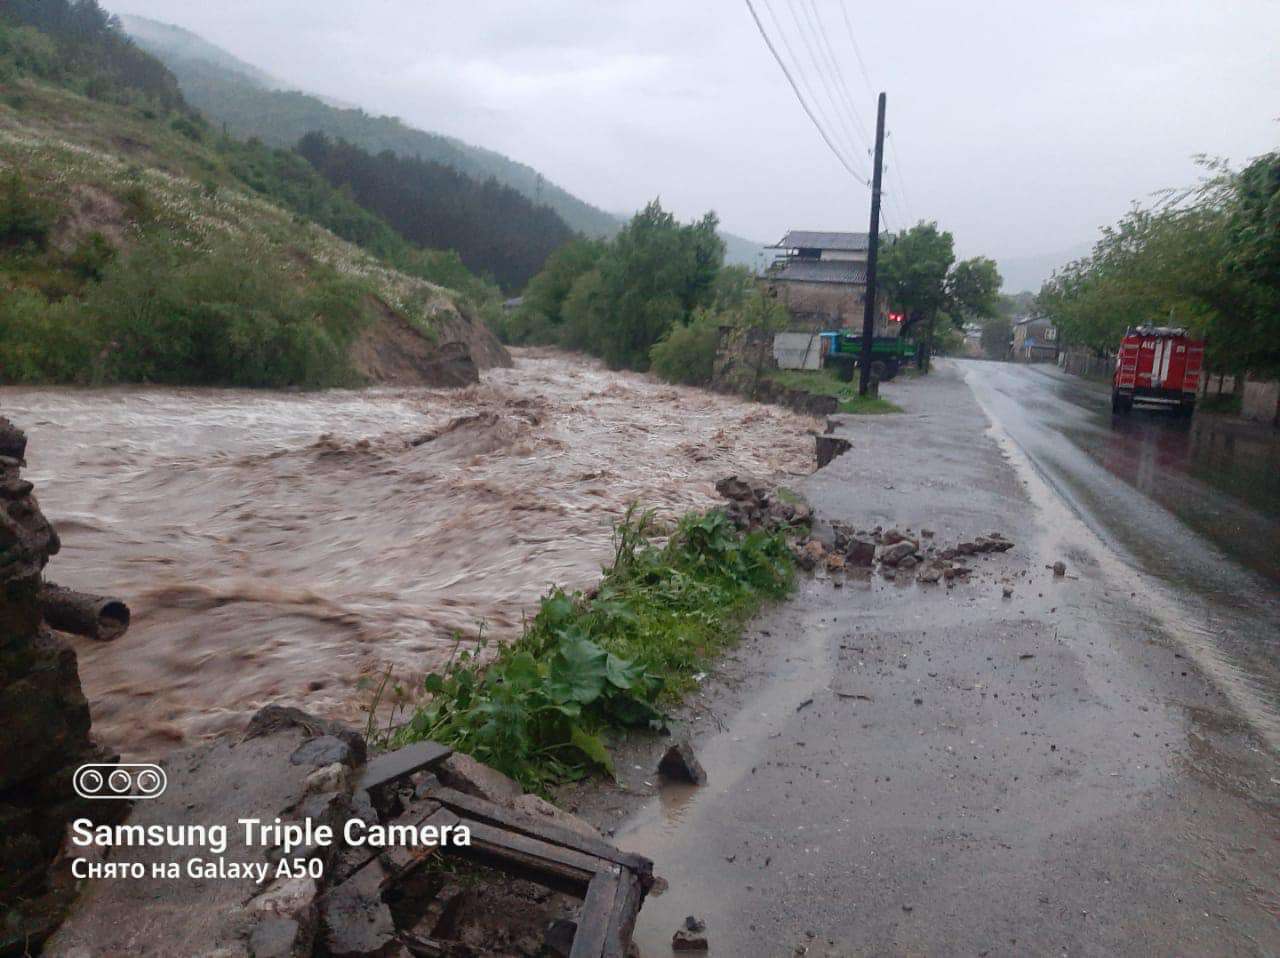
x,y
277,938
1008,592
860,553
894,554
1059,568
539,808
356,922
464,774
907,562
680,764
835,562
929,573
325,750
691,936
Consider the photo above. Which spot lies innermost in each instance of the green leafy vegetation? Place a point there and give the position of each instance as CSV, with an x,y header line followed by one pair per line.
x,y
541,708
617,299
825,382
220,318
1206,258
136,244
921,277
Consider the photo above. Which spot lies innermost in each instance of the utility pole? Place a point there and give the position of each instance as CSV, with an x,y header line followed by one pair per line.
x,y
873,254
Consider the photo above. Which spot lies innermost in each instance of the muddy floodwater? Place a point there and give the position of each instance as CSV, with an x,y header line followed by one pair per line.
x,y
281,546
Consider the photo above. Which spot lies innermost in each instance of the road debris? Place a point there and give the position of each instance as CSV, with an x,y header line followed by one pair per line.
x,y
680,764
691,936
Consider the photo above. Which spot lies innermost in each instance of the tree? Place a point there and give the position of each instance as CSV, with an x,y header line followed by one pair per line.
x,y
920,276
1205,258
996,333
650,278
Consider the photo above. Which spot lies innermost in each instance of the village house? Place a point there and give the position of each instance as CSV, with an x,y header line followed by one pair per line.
x,y
821,278
1035,340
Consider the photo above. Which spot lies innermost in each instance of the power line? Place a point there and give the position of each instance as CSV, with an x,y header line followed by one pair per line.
x,y
796,90
834,61
823,75
871,89
820,113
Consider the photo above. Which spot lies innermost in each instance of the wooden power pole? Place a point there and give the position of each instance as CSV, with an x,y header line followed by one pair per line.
x,y
873,253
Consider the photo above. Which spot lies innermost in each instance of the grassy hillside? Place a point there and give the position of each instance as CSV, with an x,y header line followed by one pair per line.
x,y
132,247
250,103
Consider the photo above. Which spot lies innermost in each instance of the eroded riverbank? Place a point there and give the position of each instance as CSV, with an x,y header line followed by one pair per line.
x,y
278,547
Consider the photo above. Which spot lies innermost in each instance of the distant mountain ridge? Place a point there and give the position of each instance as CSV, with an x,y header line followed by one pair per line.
x,y
252,103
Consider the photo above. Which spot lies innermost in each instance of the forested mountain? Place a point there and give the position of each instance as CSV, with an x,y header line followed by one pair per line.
x,y
494,229
248,101
219,86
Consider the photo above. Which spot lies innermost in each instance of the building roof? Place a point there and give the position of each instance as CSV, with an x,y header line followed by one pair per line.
x,y
819,271
813,239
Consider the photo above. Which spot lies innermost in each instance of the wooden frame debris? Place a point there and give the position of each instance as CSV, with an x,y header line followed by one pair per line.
x,y
611,883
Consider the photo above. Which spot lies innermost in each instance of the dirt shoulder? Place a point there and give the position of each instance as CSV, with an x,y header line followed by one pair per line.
x,y
898,767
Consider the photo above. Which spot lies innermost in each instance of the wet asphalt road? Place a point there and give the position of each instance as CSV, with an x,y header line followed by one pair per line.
x,y
1086,768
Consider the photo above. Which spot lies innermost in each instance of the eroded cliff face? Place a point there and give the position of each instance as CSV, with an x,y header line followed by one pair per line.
x,y
44,717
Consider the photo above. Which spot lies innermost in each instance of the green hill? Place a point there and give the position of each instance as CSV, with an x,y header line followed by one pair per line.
x,y
252,104
136,245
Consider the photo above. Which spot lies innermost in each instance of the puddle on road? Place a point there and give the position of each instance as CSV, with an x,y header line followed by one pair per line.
x,y
666,826
1251,687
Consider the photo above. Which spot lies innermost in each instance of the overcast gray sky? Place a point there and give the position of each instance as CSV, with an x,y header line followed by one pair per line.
x,y
1019,126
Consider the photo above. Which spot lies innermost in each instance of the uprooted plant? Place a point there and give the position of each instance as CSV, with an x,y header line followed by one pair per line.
x,y
587,664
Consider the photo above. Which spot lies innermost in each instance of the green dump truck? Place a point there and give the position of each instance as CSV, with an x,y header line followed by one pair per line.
x,y
841,351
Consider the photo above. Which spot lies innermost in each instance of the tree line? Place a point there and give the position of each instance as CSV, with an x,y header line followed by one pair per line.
x,y
83,46
1207,258
494,229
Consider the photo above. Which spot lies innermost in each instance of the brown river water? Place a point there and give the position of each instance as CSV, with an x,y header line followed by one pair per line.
x,y
283,546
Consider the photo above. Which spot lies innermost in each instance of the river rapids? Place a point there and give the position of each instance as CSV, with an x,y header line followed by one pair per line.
x,y
291,547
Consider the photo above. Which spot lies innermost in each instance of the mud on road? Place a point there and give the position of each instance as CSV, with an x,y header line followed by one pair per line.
x,y
278,547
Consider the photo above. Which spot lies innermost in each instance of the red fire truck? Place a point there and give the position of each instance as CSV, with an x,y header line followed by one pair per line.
x,y
1157,366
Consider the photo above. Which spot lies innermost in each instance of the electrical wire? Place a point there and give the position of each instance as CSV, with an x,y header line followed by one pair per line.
x,y
799,96
866,76
821,28
806,30
797,65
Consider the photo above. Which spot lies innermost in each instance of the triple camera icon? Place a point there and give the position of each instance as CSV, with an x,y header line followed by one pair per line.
x,y
120,781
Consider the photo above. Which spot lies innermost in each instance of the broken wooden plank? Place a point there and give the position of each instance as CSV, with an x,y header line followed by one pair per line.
x,y
593,919
555,866
626,908
417,816
403,762
488,812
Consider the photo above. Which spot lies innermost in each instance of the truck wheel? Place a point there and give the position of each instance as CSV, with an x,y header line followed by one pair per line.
x,y
844,369
1120,404
890,369
877,370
